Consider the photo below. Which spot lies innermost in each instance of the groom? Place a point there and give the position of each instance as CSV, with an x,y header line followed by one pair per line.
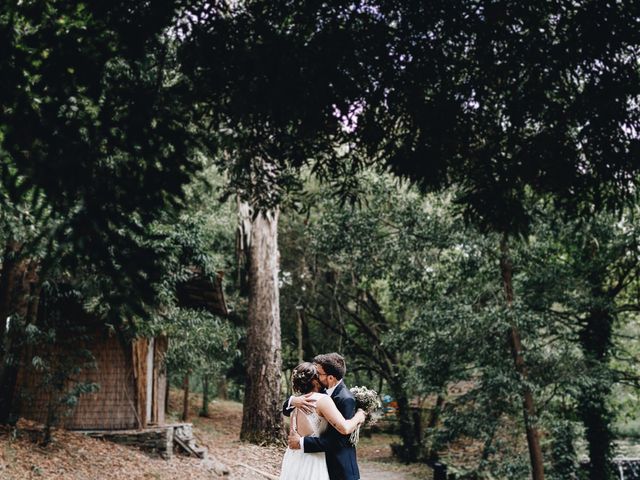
x,y
340,454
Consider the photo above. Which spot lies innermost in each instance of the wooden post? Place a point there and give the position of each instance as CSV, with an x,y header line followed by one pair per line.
x,y
166,393
139,349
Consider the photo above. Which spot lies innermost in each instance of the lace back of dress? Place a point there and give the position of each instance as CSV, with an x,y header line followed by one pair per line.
x,y
317,422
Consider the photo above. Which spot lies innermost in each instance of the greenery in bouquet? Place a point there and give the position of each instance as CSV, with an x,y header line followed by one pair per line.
x,y
367,400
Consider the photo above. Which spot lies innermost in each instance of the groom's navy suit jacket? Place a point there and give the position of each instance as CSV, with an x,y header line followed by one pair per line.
x,y
340,454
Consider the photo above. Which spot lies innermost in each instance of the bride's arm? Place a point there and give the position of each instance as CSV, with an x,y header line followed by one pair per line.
x,y
328,410
303,402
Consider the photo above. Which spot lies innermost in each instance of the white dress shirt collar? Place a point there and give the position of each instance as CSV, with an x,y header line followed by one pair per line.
x,y
331,390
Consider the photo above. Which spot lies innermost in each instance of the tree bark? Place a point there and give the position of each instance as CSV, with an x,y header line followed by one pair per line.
x,y
185,398
528,405
593,407
299,323
434,417
408,450
204,412
261,419
223,391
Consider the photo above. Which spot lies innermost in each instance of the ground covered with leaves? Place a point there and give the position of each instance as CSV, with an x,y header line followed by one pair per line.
x,y
73,456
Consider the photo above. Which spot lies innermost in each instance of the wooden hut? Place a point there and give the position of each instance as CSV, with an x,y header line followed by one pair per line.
x,y
130,374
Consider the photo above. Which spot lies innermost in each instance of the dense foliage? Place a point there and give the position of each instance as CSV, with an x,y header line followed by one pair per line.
x,y
96,141
413,298
505,298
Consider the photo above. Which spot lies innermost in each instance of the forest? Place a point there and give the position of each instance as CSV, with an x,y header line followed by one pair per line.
x,y
445,192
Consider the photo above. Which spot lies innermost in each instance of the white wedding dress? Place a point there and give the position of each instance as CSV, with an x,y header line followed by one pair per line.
x,y
297,465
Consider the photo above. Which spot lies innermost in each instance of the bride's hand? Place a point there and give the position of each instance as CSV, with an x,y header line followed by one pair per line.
x,y
294,441
364,415
304,403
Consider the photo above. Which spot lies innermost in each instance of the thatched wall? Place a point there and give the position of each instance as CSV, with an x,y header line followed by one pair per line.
x,y
121,401
131,376
112,407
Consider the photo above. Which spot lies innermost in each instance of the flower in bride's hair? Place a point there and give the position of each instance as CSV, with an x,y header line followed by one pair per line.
x,y
302,377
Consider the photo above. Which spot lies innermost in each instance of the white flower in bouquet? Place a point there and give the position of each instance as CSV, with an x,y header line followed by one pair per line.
x,y
367,400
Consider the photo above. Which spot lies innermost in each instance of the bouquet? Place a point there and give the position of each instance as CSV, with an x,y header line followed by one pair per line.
x,y
367,400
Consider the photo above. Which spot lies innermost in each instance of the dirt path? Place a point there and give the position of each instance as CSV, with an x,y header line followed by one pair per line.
x,y
73,456
368,471
378,471
221,430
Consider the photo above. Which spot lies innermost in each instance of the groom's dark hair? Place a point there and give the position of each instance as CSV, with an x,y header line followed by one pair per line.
x,y
332,363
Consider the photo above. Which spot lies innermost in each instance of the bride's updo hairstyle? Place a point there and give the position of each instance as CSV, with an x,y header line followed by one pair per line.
x,y
303,376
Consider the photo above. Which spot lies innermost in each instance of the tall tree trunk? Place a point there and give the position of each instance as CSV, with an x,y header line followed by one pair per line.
x,y
223,390
307,346
261,419
204,412
528,406
418,434
299,324
185,398
430,453
593,408
408,450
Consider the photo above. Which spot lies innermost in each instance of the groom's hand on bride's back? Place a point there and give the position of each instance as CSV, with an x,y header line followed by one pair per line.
x,y
304,403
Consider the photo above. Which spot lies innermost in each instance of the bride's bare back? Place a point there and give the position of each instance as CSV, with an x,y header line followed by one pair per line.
x,y
307,424
303,425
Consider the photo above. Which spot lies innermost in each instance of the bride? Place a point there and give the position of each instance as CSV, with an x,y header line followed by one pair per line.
x,y
297,465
